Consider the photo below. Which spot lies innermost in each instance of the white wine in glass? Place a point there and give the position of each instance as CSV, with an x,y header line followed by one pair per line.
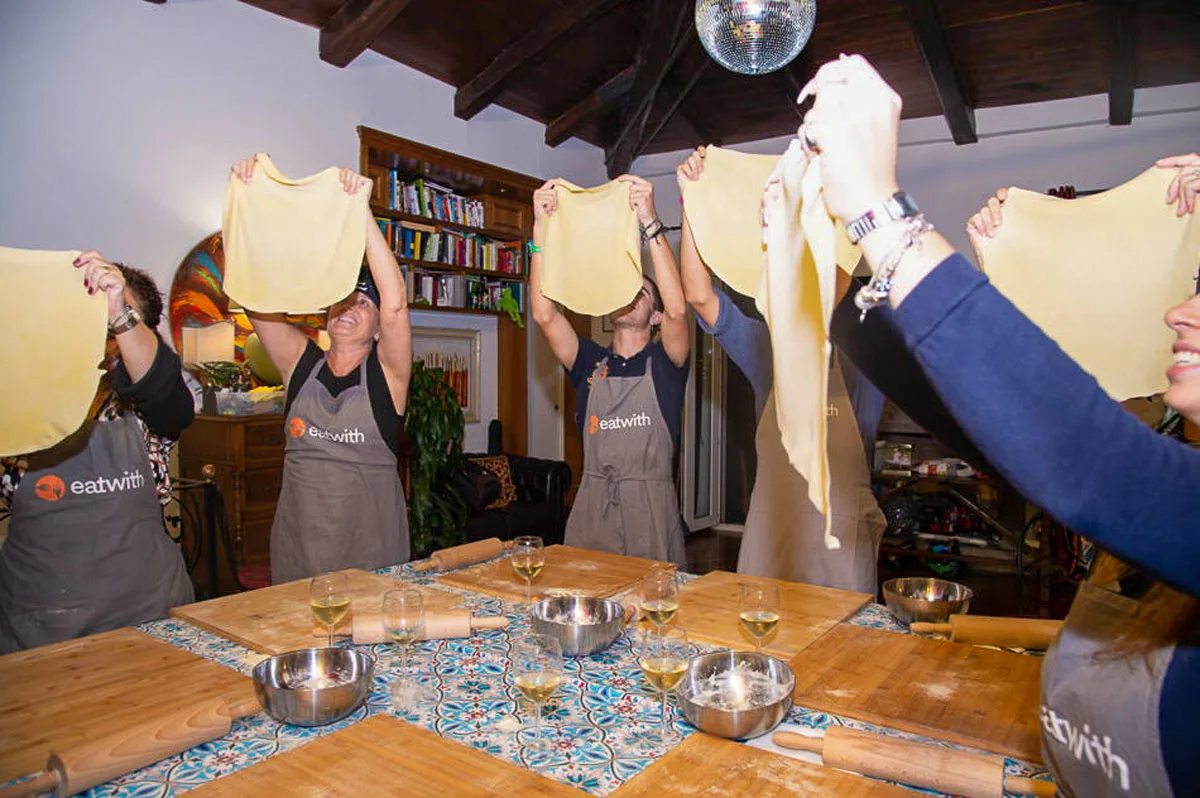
x,y
329,599
537,673
663,657
404,621
660,597
528,560
758,610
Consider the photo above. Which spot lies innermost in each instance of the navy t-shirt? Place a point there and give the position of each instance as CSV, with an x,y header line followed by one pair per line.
x,y
670,381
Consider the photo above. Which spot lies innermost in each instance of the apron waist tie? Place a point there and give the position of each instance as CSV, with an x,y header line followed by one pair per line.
x,y
612,483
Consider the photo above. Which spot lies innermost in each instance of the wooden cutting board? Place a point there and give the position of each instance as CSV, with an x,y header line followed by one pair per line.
x,y
708,610
710,766
385,756
63,694
957,692
568,571
277,618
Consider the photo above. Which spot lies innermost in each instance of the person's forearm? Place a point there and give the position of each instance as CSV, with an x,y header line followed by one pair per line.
x,y
393,294
544,309
138,348
666,274
697,283
916,264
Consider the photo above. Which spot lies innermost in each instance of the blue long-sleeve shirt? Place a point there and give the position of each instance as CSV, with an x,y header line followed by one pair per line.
x,y
1050,429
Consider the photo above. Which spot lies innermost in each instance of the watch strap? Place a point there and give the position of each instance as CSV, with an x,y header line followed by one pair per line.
x,y
896,207
128,319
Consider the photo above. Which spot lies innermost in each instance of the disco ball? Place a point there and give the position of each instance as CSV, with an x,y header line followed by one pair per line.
x,y
754,37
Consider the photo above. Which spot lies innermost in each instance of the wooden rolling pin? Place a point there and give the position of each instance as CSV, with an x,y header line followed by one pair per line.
x,y
983,630
918,764
466,554
88,764
367,629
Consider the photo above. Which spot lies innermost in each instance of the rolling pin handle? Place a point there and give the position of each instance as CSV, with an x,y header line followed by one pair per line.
x,y
798,742
1023,785
919,628
424,566
43,783
244,708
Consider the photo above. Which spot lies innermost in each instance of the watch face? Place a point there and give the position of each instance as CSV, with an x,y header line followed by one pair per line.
x,y
905,205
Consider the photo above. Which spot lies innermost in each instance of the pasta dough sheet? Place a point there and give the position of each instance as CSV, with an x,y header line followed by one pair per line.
x,y
292,246
723,208
1097,274
796,297
592,256
54,335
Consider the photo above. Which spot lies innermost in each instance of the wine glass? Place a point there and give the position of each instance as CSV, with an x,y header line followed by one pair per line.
x,y
329,598
403,621
528,560
758,610
537,672
660,597
663,656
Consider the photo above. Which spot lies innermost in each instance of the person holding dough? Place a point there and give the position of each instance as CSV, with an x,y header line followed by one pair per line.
x,y
784,532
629,399
87,550
1121,686
342,504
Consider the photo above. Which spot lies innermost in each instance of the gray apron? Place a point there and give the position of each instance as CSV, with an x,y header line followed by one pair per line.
x,y
784,532
627,501
87,550
1100,717
341,504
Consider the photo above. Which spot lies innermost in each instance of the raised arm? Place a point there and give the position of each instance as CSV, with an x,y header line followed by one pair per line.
x,y
395,328
697,283
676,338
560,335
138,345
283,341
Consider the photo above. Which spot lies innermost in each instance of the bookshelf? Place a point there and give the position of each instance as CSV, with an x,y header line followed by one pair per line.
x,y
463,210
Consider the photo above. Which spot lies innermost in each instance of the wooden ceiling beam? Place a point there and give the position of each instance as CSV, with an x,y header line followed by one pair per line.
x,y
354,26
935,47
479,92
1121,68
678,95
599,101
664,40
788,79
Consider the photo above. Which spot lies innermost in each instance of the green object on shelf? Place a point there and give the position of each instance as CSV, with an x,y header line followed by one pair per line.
x,y
509,305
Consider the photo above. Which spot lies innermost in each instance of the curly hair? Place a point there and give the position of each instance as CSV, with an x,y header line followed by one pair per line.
x,y
148,296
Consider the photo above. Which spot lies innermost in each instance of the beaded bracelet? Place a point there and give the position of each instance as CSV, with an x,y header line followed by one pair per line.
x,y
876,292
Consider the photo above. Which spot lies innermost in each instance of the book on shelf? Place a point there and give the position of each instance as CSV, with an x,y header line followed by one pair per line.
x,y
440,290
421,197
425,242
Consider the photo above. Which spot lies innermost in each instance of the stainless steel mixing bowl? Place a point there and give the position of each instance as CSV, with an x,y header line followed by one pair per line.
x,y
748,712
925,599
583,625
313,686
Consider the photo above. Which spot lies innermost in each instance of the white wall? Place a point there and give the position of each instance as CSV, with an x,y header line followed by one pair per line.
x,y
120,120
1035,146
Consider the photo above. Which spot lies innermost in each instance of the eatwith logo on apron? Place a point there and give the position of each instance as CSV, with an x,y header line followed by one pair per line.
x,y
341,504
784,534
627,501
1100,714
87,550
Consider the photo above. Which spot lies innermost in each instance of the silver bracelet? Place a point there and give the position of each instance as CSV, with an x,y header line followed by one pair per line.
x,y
876,292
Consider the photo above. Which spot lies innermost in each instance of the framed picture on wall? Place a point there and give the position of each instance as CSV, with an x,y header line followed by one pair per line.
x,y
456,353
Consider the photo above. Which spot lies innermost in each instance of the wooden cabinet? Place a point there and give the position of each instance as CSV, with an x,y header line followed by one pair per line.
x,y
247,454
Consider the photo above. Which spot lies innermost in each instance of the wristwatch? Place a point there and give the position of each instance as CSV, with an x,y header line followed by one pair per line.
x,y
128,319
894,208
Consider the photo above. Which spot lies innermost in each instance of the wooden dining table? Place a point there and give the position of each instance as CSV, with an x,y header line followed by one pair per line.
x,y
604,719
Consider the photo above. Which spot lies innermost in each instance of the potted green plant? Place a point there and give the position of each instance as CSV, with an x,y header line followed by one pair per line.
x,y
434,425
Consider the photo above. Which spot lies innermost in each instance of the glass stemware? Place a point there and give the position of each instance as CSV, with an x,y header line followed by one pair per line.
x,y
758,610
528,560
663,657
660,597
537,672
329,599
404,621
